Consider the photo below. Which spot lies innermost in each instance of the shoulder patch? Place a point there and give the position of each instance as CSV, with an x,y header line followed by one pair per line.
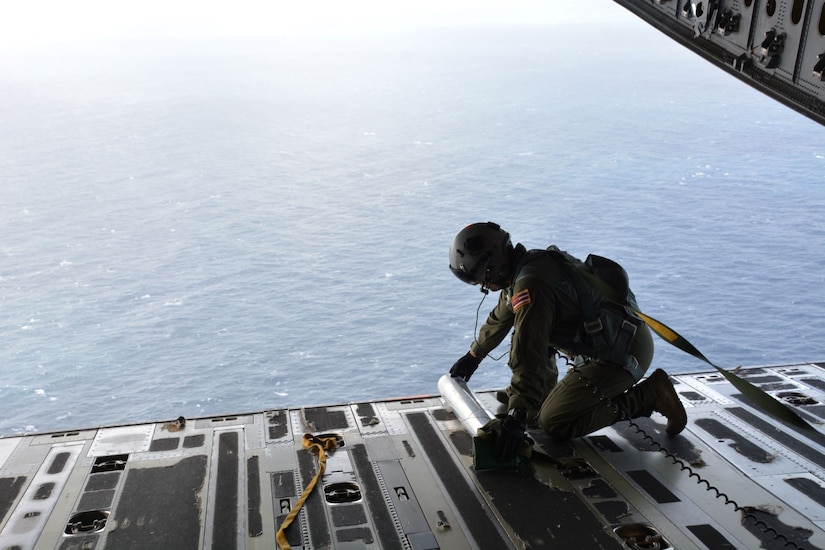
x,y
520,299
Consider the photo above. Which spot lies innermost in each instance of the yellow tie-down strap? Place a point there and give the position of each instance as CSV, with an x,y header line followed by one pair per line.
x,y
322,445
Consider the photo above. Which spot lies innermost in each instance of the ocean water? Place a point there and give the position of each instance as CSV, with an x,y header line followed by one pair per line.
x,y
207,227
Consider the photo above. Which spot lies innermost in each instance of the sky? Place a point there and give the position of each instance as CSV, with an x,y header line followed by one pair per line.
x,y
45,23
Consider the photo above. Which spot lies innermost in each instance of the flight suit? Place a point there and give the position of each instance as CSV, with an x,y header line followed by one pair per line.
x,y
544,310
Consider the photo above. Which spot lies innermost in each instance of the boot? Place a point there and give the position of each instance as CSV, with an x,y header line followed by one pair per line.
x,y
667,402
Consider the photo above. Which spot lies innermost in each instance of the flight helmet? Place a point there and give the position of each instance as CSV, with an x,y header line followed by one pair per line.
x,y
480,253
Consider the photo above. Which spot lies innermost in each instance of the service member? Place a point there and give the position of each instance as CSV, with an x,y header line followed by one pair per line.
x,y
553,302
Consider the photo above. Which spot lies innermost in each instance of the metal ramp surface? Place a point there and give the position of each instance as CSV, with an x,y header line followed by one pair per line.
x,y
402,479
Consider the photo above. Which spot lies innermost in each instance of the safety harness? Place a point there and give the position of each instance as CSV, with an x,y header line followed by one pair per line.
x,y
611,327
614,290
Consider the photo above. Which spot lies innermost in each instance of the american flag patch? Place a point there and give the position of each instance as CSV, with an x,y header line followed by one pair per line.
x,y
520,299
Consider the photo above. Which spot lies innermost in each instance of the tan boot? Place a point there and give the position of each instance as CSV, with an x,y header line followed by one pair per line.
x,y
667,402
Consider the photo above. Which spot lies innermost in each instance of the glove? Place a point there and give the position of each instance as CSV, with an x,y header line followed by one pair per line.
x,y
465,367
509,434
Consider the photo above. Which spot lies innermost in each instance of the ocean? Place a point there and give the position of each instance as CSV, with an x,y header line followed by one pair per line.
x,y
198,227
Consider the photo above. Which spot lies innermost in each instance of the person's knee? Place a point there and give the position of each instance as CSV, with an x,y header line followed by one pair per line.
x,y
554,426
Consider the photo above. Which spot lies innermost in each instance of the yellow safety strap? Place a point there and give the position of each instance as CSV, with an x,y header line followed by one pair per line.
x,y
760,398
321,444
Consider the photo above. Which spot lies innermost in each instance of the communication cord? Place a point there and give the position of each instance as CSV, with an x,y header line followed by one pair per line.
x,y
475,330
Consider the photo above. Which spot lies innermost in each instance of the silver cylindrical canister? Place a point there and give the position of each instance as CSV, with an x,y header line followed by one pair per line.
x,y
465,405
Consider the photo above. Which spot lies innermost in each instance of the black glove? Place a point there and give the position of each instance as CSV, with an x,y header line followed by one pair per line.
x,y
509,435
465,367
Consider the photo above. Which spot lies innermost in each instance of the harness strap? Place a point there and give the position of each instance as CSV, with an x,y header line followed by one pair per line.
x,y
592,324
321,444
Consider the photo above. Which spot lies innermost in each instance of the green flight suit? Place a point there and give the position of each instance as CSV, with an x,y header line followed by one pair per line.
x,y
544,311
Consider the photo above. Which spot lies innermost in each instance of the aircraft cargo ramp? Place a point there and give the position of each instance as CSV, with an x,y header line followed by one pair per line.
x,y
401,477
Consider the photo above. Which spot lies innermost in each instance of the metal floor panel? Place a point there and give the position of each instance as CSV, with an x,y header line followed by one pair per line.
x,y
402,478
